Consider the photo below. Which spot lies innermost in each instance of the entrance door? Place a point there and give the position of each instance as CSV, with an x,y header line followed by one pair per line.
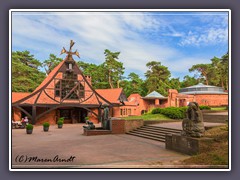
x,y
66,113
73,115
82,114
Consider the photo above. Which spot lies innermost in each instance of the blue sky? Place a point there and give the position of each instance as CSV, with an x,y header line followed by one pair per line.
x,y
177,39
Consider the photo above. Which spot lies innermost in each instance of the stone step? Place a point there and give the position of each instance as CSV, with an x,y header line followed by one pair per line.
x,y
162,139
156,128
149,134
154,131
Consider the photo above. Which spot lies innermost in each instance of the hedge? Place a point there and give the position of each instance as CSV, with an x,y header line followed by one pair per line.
x,y
204,107
175,112
171,112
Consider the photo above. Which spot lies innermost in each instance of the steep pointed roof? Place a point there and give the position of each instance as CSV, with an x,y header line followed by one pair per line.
x,y
44,93
50,75
154,95
16,96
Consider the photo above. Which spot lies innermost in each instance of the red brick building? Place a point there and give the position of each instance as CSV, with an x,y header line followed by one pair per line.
x,y
67,93
135,105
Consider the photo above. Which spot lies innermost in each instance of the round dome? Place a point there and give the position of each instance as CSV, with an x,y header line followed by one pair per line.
x,y
202,89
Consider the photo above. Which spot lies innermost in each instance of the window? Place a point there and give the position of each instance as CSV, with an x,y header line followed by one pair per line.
x,y
161,101
69,87
129,111
57,89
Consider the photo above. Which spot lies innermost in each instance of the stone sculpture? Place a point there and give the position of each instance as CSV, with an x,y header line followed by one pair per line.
x,y
193,125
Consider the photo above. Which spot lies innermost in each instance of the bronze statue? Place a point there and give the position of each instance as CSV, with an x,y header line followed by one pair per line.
x,y
105,117
89,126
193,124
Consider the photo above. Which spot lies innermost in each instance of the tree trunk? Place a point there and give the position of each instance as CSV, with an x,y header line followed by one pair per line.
x,y
226,84
206,80
109,79
118,82
222,83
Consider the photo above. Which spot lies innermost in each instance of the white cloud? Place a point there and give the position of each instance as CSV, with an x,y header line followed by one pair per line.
x,y
213,30
47,33
93,34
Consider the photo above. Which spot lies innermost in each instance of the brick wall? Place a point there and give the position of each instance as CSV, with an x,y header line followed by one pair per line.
x,y
49,117
16,114
95,132
212,99
117,126
93,117
133,124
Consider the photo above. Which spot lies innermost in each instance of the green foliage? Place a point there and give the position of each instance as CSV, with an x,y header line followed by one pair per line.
x,y
171,112
61,119
189,81
60,122
25,75
146,117
29,127
156,111
86,118
51,63
202,107
205,70
114,68
98,74
133,84
157,77
214,73
46,124
26,58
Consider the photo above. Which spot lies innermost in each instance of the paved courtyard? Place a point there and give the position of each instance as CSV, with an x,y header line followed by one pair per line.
x,y
104,151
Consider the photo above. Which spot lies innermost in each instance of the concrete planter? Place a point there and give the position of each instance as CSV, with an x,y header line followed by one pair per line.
x,y
45,129
29,131
60,126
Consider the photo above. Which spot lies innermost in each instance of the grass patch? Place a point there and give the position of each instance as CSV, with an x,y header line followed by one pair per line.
x,y
218,108
214,154
148,117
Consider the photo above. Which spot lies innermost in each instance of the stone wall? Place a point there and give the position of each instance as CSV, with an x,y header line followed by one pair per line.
x,y
187,145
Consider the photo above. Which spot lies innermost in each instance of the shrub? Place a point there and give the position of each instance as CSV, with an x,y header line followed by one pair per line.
x,y
61,119
29,127
86,118
60,122
46,124
204,107
156,111
171,112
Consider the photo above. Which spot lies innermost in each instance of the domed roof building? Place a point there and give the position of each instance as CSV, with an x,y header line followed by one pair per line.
x,y
200,93
202,89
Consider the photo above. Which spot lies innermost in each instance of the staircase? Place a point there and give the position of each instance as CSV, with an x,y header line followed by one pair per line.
x,y
153,132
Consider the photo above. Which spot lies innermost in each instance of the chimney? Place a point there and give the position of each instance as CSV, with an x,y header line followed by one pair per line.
x,y
89,79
